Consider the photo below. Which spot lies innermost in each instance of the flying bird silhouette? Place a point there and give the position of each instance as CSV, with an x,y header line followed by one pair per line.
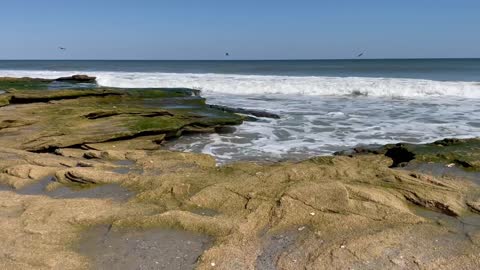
x,y
361,54
62,48
227,54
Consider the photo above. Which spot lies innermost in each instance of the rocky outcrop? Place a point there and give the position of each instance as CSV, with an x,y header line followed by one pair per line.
x,y
63,118
461,152
77,79
256,113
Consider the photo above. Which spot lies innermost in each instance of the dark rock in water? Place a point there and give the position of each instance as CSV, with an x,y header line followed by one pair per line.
x,y
225,130
78,78
448,142
363,150
463,163
257,113
463,152
399,155
348,152
357,93
360,150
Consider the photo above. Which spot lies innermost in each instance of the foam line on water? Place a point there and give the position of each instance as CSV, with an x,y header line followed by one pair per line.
x,y
212,84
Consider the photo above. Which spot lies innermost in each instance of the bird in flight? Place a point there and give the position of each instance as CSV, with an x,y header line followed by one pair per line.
x,y
361,54
62,48
227,54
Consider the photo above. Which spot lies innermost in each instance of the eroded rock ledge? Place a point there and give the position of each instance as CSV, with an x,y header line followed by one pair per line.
x,y
44,119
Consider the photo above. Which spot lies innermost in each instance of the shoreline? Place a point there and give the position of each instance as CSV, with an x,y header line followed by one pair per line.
x,y
96,156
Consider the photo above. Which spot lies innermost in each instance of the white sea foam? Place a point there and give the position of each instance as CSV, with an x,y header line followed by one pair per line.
x,y
285,85
315,125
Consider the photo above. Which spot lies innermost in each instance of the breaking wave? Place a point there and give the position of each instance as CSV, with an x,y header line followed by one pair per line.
x,y
284,85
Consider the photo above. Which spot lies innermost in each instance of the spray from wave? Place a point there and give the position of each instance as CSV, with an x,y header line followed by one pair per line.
x,y
284,85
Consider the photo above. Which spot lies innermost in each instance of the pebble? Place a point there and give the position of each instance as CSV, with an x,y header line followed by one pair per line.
x,y
342,246
301,228
312,214
212,264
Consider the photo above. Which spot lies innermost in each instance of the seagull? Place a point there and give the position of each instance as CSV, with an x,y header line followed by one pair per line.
x,y
62,48
361,54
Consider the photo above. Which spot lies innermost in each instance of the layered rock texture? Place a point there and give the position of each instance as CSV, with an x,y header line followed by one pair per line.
x,y
342,212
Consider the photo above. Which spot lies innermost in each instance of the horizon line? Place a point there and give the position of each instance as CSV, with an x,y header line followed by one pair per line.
x,y
279,59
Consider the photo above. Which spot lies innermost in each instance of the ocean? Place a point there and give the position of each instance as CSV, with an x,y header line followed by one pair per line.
x,y
325,105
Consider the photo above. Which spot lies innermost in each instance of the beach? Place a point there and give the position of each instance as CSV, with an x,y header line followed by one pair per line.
x,y
306,166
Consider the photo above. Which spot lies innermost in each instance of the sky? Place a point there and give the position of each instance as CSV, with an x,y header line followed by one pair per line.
x,y
247,29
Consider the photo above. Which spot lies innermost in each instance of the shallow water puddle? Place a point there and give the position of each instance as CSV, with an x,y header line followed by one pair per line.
x,y
276,245
204,212
112,191
126,167
5,188
142,249
441,170
463,226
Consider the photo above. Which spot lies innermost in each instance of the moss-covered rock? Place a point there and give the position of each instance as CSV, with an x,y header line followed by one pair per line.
x,y
333,203
462,152
7,83
50,119
4,99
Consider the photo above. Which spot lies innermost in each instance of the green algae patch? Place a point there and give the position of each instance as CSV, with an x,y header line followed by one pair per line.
x,y
462,152
29,96
7,83
50,119
4,100
162,92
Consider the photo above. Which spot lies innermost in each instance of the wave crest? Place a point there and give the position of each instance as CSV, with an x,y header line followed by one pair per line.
x,y
285,85
288,85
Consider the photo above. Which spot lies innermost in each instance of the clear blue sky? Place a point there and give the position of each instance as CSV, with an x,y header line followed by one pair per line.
x,y
248,29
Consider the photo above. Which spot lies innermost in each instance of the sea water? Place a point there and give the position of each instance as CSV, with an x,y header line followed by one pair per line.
x,y
325,105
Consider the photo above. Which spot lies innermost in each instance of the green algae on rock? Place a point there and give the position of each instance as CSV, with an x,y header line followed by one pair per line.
x,y
462,152
4,99
339,204
49,119
24,83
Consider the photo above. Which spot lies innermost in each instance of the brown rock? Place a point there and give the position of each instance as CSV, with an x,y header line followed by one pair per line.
x,y
78,78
